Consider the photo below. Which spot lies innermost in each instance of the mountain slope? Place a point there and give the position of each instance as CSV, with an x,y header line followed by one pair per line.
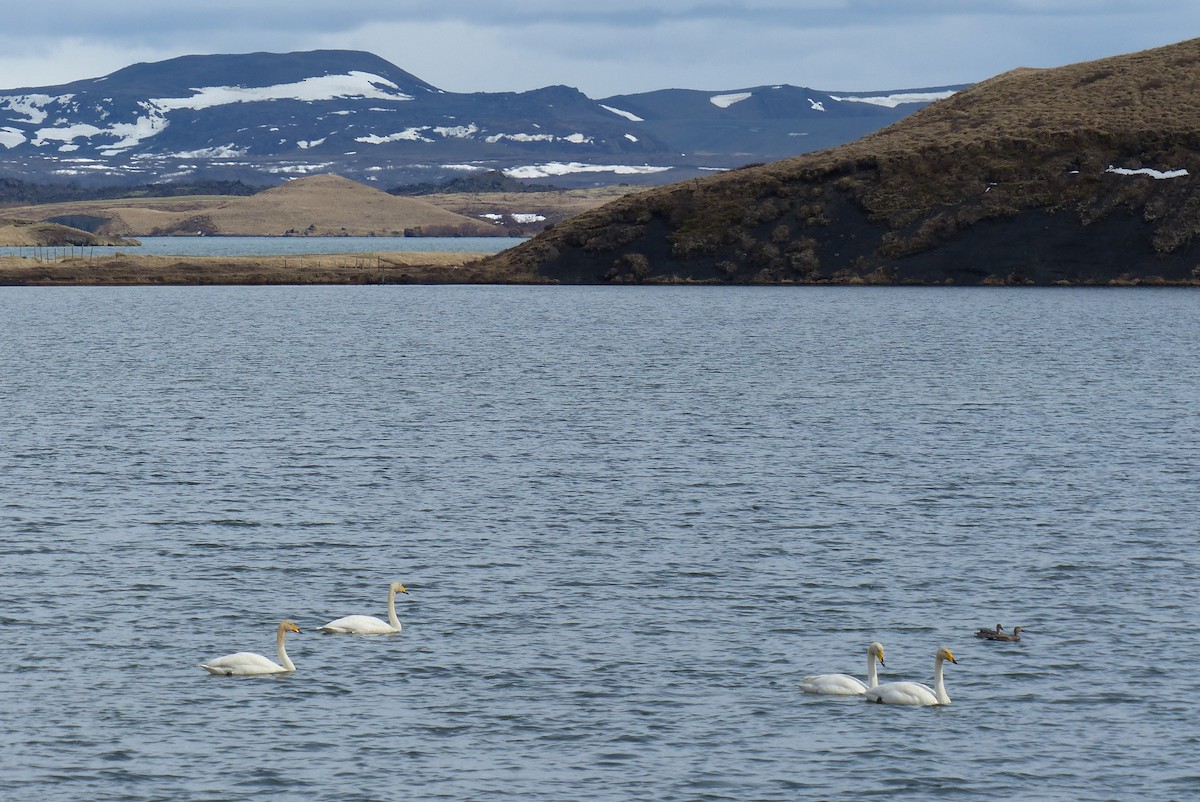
x,y
264,117
1080,174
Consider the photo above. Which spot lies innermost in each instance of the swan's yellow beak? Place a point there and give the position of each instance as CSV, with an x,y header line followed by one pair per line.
x,y
403,589
950,657
294,628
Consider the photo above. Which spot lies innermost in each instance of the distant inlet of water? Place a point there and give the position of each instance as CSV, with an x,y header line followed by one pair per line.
x,y
278,246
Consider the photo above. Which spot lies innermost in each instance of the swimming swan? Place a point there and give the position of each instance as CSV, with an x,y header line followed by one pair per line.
x,y
365,624
245,664
989,633
914,693
844,684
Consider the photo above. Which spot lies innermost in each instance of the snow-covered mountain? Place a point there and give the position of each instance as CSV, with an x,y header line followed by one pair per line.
x,y
264,117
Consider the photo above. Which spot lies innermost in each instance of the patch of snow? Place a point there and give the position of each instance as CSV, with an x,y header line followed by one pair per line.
x,y
355,84
407,135
528,218
631,137
219,152
892,101
305,144
816,105
1156,174
458,131
495,218
466,168
574,139
725,101
44,136
626,114
494,138
302,169
567,168
32,106
11,137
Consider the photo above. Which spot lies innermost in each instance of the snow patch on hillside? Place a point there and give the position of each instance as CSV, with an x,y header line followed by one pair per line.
x,y
1156,174
32,106
567,168
894,100
355,84
725,101
626,114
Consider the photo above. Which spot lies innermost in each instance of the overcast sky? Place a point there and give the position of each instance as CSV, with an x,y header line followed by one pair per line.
x,y
603,47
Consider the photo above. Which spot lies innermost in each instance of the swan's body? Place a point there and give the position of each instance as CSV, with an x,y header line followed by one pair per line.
x,y
914,693
844,684
246,664
1014,636
989,633
368,625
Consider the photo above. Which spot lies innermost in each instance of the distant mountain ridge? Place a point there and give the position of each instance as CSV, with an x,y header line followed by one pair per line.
x,y
265,117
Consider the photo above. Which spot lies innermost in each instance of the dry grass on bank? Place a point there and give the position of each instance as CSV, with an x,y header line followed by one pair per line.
x,y
381,268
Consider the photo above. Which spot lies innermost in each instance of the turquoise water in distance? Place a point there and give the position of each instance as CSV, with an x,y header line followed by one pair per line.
x,y
630,520
278,246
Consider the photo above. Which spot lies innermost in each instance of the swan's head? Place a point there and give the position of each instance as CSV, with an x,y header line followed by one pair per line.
x,y
944,653
1018,630
999,628
397,587
876,650
289,626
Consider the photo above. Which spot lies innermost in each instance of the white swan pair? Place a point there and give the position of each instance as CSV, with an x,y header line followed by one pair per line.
x,y
246,664
892,693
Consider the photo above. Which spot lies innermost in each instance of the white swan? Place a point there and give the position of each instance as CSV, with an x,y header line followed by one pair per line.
x,y
844,684
365,624
914,693
245,664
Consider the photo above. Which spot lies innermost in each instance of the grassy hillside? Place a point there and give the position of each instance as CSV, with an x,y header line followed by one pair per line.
x,y
27,233
1008,182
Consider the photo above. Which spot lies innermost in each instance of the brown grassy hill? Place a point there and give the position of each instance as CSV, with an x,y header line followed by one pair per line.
x,y
28,233
321,205
1006,182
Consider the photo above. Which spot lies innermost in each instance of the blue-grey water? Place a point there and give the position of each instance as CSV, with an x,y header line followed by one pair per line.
x,y
630,519
274,246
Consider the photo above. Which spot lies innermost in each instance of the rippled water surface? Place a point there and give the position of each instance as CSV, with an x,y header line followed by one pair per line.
x,y
629,521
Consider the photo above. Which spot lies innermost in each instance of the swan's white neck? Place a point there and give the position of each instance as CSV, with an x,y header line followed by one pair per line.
x,y
283,657
392,619
872,676
939,684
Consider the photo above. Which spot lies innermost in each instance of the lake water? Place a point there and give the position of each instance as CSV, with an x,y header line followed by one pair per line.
x,y
279,246
630,519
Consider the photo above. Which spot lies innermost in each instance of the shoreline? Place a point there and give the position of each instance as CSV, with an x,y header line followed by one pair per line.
x,y
122,269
